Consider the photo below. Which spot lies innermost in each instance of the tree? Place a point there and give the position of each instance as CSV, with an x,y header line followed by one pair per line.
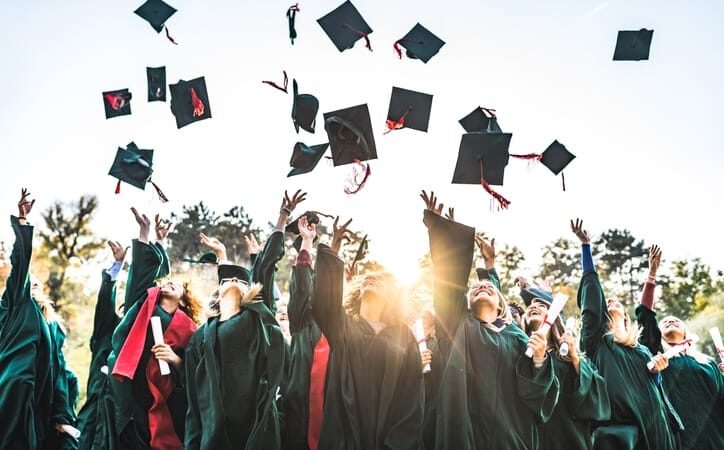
x,y
688,289
561,263
67,236
620,258
508,261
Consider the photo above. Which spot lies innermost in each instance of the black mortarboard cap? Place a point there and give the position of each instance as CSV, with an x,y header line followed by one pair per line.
x,y
556,157
350,135
117,103
190,101
345,26
491,149
529,294
304,109
132,165
156,77
409,109
155,12
633,45
293,226
361,250
206,258
305,158
420,44
233,271
479,121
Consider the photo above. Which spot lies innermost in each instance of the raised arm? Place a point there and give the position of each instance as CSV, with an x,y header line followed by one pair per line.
x,y
299,308
105,318
17,287
146,266
645,314
487,251
451,251
591,299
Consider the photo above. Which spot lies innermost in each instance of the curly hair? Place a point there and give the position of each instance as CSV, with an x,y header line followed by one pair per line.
x,y
190,304
394,312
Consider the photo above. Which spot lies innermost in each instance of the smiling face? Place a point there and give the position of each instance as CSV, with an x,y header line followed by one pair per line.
x,y
536,313
483,293
615,307
672,329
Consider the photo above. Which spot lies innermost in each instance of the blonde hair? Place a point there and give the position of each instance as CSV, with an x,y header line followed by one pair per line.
x,y
190,304
394,311
46,305
630,338
252,294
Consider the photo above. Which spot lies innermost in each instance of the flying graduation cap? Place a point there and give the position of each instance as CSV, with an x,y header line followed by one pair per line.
x,y
556,158
156,77
206,258
304,109
156,13
419,43
481,120
293,226
117,103
482,159
633,45
190,101
408,109
134,166
345,26
305,158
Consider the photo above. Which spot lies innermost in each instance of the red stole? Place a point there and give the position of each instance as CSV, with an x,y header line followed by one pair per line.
x,y
317,379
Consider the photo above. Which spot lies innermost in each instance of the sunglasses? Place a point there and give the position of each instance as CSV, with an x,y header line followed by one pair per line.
x,y
228,280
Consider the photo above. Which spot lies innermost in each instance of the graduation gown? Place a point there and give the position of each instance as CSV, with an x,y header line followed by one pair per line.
x,y
133,398
633,391
490,394
96,429
26,352
63,405
695,390
375,391
583,399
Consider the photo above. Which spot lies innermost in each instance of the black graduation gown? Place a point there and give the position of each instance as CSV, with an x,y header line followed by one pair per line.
x,y
26,370
62,409
234,369
133,399
305,336
634,394
375,393
490,394
91,417
695,390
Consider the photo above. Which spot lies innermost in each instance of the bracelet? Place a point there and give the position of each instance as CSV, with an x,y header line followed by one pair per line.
x,y
284,209
21,217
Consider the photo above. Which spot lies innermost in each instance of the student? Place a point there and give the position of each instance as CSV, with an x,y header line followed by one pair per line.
x,y
640,417
151,407
491,395
26,348
96,430
374,397
693,381
235,361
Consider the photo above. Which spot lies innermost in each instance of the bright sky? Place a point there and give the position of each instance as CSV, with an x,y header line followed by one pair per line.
x,y
647,135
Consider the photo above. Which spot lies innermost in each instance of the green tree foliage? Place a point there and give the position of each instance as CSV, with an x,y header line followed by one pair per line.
x,y
688,288
621,259
561,262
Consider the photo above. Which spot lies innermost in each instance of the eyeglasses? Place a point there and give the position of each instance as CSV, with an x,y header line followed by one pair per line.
x,y
228,280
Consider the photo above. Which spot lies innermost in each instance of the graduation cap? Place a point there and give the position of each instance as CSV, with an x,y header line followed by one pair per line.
x,y
293,226
304,109
156,77
528,294
291,15
345,26
352,142
226,271
408,109
556,157
479,120
305,158
135,167
633,45
117,103
156,13
206,258
420,44
190,101
482,158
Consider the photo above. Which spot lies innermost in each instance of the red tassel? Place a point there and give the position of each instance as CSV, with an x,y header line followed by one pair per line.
x,y
116,101
535,156
293,8
489,112
397,124
168,36
397,48
160,193
197,103
362,34
274,85
353,181
502,201
563,179
118,187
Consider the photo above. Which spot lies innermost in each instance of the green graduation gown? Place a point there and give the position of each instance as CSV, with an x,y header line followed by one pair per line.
x,y
635,397
695,390
490,394
375,393
133,399
26,377
62,409
91,417
234,369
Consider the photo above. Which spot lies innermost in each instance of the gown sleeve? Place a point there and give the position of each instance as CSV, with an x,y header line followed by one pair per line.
x,y
299,308
327,308
148,263
265,266
104,318
586,394
646,317
538,389
592,301
192,437
17,286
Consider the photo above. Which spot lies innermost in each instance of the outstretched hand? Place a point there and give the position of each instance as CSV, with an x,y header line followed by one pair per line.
x,y
450,215
288,204
214,245
163,228
308,231
580,232
144,225
654,260
25,205
339,234
118,250
487,251
431,202
252,246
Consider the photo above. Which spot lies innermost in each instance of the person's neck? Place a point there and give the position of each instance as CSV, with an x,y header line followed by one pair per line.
x,y
228,306
169,305
619,326
371,309
485,312
674,338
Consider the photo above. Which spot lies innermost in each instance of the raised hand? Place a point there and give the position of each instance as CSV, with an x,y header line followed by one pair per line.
x,y
25,205
339,234
487,251
522,282
252,246
118,250
538,343
288,204
214,245
654,260
580,232
450,215
308,231
350,271
163,228
431,202
144,225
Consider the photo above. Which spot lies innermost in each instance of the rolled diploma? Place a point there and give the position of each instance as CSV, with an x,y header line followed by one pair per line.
x,y
553,312
670,353
421,341
716,337
70,430
570,325
158,339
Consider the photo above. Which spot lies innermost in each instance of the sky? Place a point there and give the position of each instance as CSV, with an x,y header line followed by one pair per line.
x,y
647,135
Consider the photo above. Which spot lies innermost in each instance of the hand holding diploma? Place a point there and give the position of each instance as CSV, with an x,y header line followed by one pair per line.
x,y
161,351
668,354
570,325
422,343
553,312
